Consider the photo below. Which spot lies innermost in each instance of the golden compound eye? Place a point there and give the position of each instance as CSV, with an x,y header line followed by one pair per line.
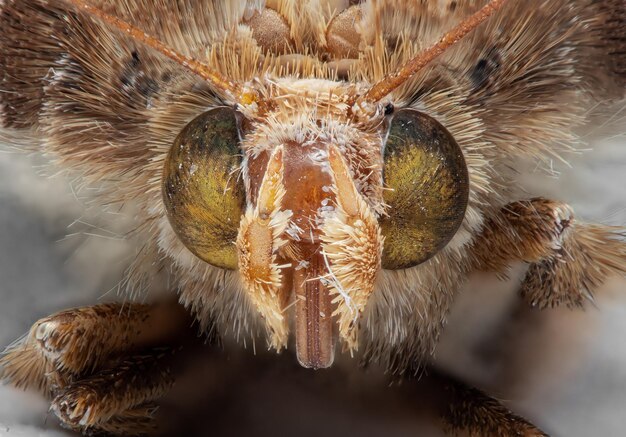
x,y
427,189
203,195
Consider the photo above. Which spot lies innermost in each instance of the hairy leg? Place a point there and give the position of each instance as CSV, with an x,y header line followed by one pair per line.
x,y
99,363
462,410
117,398
567,260
467,411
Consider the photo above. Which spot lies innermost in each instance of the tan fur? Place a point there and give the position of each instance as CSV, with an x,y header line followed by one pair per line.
x,y
24,365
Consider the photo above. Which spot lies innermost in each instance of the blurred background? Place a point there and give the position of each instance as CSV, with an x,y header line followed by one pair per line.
x,y
565,370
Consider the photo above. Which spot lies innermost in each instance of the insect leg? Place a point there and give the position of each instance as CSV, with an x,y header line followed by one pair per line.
x,y
136,421
65,345
469,412
568,260
118,399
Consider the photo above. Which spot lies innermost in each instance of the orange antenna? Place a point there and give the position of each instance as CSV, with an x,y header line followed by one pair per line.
x,y
393,80
202,70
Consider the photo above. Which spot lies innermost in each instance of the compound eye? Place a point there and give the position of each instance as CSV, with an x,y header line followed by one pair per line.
x,y
427,189
203,195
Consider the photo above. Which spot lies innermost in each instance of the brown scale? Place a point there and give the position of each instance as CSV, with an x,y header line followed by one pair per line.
x,y
343,40
271,31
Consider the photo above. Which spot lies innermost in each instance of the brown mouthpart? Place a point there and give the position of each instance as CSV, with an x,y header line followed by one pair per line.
x,y
315,342
199,68
309,248
393,80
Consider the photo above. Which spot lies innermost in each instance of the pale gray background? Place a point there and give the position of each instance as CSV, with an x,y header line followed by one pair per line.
x,y
564,369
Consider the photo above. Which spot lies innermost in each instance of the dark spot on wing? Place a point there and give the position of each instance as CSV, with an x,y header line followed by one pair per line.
x,y
134,78
135,61
482,73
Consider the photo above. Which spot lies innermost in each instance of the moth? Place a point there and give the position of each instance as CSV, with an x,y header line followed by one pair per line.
x,y
317,176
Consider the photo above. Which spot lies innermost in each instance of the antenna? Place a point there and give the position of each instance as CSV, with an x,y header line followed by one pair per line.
x,y
197,67
393,80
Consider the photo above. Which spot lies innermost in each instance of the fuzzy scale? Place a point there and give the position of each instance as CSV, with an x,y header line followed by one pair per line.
x,y
109,109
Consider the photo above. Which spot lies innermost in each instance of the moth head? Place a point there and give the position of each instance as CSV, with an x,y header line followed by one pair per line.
x,y
308,204
308,188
